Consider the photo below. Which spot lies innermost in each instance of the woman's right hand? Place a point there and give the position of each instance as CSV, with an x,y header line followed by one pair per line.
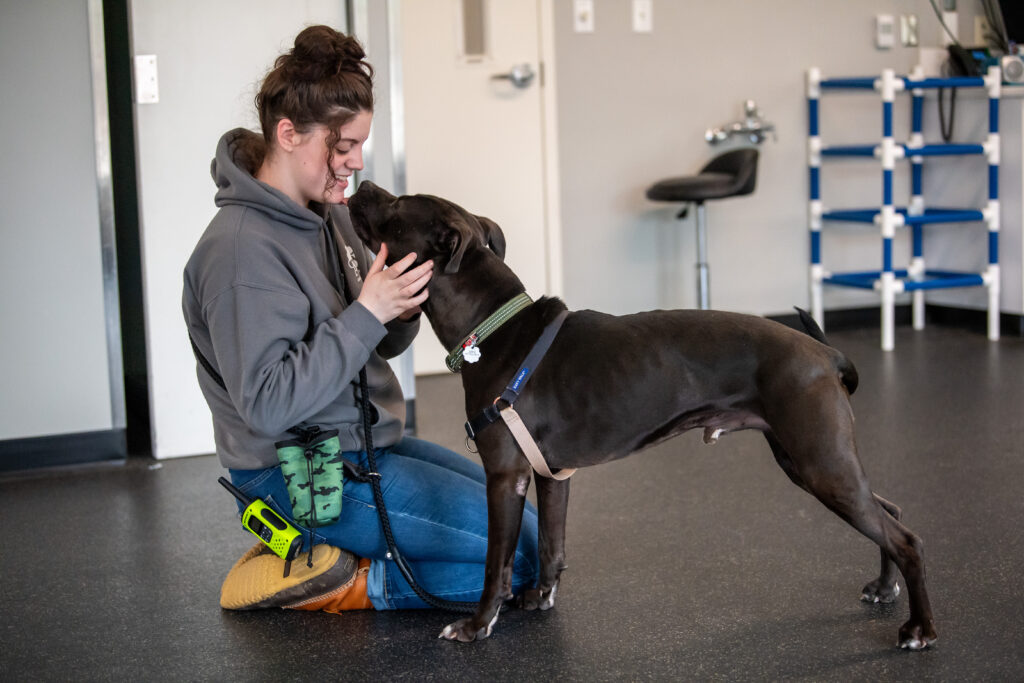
x,y
388,292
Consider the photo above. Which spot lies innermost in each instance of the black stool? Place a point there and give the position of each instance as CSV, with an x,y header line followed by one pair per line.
x,y
729,175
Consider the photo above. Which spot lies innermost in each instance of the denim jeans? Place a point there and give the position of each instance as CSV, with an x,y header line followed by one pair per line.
x,y
437,503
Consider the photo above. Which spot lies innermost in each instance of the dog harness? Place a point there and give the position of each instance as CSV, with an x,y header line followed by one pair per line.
x,y
491,413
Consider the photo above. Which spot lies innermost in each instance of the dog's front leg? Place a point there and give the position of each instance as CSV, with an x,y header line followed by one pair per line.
x,y
504,517
552,504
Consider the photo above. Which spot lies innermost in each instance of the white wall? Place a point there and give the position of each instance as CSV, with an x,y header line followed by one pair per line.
x,y
633,109
211,57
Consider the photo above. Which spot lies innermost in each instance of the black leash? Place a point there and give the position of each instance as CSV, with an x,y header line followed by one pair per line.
x,y
382,514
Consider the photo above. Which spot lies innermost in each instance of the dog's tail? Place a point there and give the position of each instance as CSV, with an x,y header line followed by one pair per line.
x,y
847,371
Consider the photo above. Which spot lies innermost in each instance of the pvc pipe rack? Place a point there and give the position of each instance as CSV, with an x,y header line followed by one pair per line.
x,y
916,278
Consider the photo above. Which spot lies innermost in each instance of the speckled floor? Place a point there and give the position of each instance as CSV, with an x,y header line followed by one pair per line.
x,y
687,562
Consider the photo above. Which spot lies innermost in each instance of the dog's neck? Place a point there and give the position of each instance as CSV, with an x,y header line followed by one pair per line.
x,y
460,301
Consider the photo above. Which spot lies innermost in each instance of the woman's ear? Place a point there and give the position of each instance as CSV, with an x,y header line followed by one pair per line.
x,y
287,136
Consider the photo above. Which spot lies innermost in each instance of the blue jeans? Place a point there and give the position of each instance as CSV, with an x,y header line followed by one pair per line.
x,y
437,503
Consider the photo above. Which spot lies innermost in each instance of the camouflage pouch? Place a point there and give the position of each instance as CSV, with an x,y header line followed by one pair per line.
x,y
314,471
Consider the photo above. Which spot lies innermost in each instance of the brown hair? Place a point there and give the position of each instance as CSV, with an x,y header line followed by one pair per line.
x,y
324,79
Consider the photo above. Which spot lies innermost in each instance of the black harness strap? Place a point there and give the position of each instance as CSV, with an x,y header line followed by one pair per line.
x,y
492,413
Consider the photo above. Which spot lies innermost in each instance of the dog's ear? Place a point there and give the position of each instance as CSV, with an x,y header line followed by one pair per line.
x,y
493,236
455,241
459,236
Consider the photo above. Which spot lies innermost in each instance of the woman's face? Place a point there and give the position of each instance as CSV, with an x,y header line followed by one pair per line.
x,y
311,156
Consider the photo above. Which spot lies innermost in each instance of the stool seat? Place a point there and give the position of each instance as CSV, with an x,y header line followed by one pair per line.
x,y
728,175
693,188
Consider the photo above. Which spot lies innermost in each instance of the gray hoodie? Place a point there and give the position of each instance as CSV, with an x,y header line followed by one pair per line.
x,y
260,304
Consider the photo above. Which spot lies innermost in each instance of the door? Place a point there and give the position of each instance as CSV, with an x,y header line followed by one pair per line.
x,y
474,131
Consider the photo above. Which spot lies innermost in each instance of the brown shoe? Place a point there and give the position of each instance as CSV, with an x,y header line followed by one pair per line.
x,y
260,579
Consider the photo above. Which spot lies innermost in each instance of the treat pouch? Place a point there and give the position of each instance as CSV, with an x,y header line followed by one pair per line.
x,y
314,472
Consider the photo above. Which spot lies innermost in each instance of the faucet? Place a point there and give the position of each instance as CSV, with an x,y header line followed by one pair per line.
x,y
753,126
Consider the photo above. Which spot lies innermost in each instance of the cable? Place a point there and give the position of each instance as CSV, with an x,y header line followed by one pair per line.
x,y
943,23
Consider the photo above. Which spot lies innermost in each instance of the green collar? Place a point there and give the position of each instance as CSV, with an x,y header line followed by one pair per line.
x,y
486,329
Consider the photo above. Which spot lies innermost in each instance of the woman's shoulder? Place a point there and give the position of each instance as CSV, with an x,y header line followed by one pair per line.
x,y
245,247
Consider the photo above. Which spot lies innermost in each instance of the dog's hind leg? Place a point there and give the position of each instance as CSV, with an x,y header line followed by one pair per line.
x,y
885,588
552,504
825,463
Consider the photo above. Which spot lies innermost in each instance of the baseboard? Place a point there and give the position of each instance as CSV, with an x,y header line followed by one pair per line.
x,y
61,450
976,320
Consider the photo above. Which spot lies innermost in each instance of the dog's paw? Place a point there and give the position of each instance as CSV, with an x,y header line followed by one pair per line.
x,y
467,630
535,598
879,592
917,636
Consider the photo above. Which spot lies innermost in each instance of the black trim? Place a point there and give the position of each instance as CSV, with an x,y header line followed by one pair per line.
x,y
60,450
127,235
976,320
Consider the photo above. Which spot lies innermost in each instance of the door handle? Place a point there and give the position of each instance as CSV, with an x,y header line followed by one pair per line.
x,y
521,76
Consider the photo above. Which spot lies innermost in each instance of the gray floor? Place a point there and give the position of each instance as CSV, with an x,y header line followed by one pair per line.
x,y
687,562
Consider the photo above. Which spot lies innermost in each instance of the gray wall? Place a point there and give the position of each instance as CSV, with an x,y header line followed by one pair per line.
x,y
633,109
53,342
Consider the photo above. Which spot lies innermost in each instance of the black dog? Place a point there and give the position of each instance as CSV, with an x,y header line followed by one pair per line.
x,y
594,398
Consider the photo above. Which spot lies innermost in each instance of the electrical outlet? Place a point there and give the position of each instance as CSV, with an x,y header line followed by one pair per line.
x,y
583,16
908,30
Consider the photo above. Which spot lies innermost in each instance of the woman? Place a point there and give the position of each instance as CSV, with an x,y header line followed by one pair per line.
x,y
283,303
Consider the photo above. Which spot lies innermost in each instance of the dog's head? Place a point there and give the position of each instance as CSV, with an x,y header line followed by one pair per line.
x,y
431,227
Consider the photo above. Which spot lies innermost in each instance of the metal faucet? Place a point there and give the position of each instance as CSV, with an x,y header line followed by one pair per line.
x,y
753,126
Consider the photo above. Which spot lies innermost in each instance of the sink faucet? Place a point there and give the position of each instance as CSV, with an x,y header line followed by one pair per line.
x,y
753,126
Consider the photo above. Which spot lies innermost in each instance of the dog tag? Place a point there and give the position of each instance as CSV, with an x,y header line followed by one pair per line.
x,y
470,351
471,354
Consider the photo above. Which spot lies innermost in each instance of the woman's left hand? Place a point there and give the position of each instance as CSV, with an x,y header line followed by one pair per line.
x,y
396,291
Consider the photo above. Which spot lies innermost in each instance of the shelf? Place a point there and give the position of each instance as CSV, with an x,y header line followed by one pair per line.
x,y
933,279
936,150
929,216
870,83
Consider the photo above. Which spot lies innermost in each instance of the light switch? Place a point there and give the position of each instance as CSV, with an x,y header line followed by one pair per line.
x,y
147,90
885,31
643,16
583,16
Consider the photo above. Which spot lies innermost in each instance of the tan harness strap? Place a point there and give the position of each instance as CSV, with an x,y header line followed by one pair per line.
x,y
529,446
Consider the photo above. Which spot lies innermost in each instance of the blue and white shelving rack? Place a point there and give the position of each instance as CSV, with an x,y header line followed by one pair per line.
x,y
916,278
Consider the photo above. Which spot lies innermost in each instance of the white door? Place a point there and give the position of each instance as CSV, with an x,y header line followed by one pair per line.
x,y
475,139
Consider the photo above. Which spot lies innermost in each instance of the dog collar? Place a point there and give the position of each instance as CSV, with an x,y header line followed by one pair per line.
x,y
467,348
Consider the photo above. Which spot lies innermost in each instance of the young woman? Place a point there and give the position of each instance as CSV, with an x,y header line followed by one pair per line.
x,y
284,304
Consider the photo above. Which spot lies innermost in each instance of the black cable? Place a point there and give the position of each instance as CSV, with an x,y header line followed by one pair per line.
x,y
947,132
382,513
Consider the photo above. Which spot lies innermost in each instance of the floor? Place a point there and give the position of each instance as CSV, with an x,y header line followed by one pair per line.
x,y
689,562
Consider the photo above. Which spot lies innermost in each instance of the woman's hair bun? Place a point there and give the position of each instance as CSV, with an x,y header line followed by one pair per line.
x,y
321,52
324,79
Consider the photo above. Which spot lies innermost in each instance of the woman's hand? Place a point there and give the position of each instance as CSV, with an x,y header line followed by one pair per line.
x,y
395,291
